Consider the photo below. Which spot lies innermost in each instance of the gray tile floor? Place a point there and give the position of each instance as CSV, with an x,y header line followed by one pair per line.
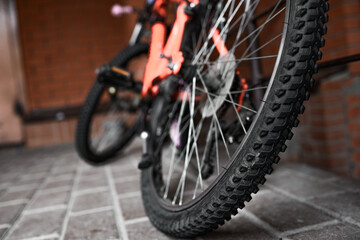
x,y
50,194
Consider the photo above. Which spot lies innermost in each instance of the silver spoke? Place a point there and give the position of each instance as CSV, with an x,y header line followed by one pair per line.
x,y
199,127
216,119
264,45
195,142
258,29
171,168
213,31
217,150
236,104
238,60
237,114
249,90
263,26
223,31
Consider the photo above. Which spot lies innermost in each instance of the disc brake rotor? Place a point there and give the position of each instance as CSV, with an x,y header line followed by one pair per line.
x,y
223,71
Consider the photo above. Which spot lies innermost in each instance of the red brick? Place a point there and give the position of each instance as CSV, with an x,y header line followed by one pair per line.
x,y
354,68
356,157
354,127
331,86
354,113
324,123
338,162
357,172
355,141
328,135
67,48
353,99
327,110
349,82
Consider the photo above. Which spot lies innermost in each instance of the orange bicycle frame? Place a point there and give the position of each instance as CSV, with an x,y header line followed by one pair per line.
x,y
165,59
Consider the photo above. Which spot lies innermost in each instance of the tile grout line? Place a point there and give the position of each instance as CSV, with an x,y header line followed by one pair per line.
x,y
314,206
129,195
23,187
91,190
62,178
126,179
118,213
13,202
91,211
54,190
33,197
2,226
33,176
45,209
310,227
136,220
43,237
70,202
330,180
261,224
328,194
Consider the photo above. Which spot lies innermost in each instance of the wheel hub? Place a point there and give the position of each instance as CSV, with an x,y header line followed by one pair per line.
x,y
220,77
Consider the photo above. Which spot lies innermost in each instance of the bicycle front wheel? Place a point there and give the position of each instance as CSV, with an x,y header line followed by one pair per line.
x,y
217,142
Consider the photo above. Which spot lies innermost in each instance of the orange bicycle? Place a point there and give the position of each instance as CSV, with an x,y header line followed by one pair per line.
x,y
221,91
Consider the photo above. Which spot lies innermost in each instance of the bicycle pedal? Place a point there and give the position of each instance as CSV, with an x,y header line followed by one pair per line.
x,y
118,77
122,72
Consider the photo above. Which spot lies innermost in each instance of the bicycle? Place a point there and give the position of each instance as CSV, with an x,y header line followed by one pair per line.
x,y
221,92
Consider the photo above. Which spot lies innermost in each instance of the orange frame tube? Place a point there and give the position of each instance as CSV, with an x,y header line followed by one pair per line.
x,y
157,66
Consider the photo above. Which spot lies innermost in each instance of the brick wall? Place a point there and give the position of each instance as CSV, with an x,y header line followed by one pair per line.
x,y
63,42
329,134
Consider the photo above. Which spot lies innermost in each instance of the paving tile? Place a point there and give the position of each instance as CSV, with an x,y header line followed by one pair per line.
x,y
8,177
60,183
41,168
92,200
132,207
302,186
283,213
341,231
347,183
9,213
22,182
61,177
90,183
126,172
238,228
90,171
97,226
50,199
305,170
347,204
64,169
61,170
145,230
34,225
10,196
26,171
127,186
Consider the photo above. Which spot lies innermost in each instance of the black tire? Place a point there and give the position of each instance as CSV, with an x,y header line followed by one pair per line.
x,y
278,115
82,138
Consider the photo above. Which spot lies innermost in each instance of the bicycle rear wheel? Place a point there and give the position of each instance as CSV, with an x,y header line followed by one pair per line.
x,y
214,145
109,118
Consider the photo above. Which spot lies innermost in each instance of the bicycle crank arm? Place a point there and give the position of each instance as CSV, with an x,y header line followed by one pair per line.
x,y
118,77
